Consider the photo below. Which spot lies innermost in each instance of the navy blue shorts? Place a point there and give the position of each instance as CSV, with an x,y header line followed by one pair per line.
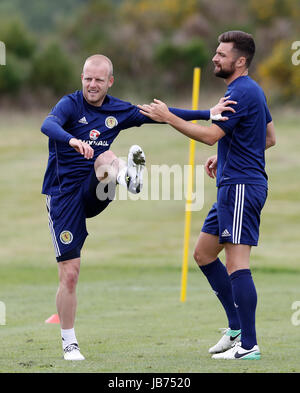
x,y
235,217
67,214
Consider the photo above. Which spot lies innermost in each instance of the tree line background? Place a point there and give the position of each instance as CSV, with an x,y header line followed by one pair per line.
x,y
154,45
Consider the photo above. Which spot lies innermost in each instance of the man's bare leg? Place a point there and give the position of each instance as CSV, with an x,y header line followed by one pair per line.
x,y
237,257
66,299
207,248
66,303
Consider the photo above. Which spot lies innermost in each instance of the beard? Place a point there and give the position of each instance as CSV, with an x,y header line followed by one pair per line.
x,y
225,73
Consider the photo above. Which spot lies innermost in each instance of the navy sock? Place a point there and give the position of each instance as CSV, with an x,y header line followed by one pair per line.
x,y
219,280
245,299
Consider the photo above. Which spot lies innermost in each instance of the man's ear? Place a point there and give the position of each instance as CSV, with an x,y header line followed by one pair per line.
x,y
241,61
111,81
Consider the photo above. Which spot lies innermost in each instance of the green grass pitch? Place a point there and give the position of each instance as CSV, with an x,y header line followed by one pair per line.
x,y
130,318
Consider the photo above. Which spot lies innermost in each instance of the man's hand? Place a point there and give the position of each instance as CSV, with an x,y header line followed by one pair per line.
x,y
157,111
81,147
211,166
222,106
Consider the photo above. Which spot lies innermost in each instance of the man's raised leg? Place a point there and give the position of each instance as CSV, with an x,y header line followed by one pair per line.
x,y
111,170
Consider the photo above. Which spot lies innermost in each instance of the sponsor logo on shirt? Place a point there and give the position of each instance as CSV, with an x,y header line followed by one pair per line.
x,y
96,143
94,134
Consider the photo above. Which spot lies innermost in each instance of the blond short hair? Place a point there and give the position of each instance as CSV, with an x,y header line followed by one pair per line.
x,y
98,59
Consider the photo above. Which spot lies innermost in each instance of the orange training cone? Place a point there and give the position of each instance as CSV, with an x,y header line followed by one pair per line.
x,y
53,319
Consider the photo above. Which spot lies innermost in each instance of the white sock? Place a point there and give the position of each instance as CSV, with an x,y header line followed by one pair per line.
x,y
121,177
68,337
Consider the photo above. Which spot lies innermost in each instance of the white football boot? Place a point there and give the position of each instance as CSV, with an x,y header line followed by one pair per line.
x,y
135,167
237,352
72,352
229,338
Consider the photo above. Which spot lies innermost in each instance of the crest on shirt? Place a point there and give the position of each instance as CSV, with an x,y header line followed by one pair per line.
x,y
66,237
111,122
94,135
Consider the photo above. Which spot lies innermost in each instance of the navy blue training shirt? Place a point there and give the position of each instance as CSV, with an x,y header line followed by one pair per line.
x,y
241,152
74,117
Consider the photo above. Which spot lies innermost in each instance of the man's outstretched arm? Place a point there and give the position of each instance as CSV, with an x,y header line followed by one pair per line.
x,y
158,111
214,113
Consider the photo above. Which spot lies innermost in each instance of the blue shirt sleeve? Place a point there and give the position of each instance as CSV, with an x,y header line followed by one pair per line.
x,y
53,130
241,110
136,119
186,114
268,115
57,118
64,110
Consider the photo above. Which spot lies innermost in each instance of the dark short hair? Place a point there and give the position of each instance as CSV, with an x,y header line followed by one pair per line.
x,y
242,42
